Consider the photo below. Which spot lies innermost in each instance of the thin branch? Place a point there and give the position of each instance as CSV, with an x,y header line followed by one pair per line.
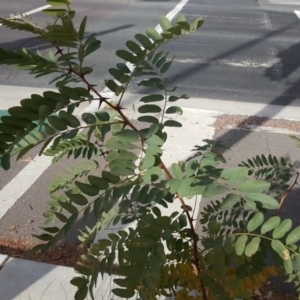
x,y
194,235
122,95
287,192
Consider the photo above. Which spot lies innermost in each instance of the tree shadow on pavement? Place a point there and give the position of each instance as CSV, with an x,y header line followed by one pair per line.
x,y
245,145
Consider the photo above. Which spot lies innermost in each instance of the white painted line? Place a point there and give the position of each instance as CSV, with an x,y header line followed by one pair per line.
x,y
231,63
297,12
3,258
22,182
173,13
36,10
242,108
177,9
18,186
284,2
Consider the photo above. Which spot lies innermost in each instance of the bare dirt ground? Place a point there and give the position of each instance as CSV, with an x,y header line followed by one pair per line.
x,y
66,255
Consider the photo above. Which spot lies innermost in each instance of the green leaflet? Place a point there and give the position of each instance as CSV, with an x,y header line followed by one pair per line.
x,y
121,154
145,41
177,30
253,186
119,75
71,120
235,174
191,167
119,144
166,66
196,24
271,224
147,162
77,198
149,108
154,267
123,293
68,207
161,62
255,222
126,56
252,247
137,255
45,110
165,23
57,123
152,98
266,200
228,245
82,28
211,159
281,230
91,44
123,164
154,35
230,201
133,46
184,25
102,116
98,182
79,281
5,161
282,251
172,123
152,175
148,119
155,140
185,189
293,236
127,135
176,170
87,189
175,98
154,150
24,112
128,282
296,263
243,295
148,132
174,110
214,189
240,244
110,177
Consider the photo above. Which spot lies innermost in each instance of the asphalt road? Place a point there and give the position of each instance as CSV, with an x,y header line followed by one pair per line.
x,y
246,51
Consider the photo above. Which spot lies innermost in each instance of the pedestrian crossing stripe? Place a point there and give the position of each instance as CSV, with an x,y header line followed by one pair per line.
x,y
283,2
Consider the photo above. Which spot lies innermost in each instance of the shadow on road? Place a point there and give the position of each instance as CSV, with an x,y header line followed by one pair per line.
x,y
283,70
33,43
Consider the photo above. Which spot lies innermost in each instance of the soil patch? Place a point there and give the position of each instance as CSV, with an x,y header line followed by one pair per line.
x,y
64,255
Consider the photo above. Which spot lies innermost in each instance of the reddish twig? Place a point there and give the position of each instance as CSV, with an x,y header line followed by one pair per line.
x,y
287,192
194,235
